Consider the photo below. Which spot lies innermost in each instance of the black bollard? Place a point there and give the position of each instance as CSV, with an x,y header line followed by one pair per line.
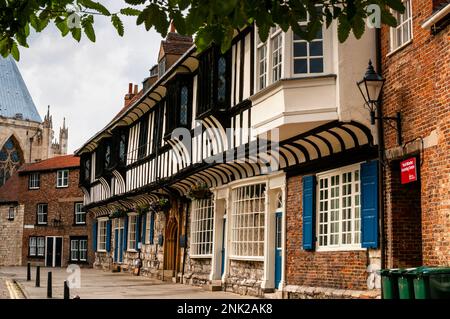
x,y
28,271
66,290
38,276
49,285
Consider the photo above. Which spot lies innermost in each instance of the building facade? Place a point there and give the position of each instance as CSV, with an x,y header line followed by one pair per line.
x,y
229,170
24,137
42,214
415,60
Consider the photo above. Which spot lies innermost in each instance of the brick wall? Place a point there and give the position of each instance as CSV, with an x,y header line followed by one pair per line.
x,y
61,205
338,269
403,220
417,85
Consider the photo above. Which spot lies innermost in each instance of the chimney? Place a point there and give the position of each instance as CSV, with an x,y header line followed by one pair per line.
x,y
129,96
135,89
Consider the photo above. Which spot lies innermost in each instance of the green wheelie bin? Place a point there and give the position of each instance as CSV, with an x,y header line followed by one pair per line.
x,y
405,283
389,284
431,282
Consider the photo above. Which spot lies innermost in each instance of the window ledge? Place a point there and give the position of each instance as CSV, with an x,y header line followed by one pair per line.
x,y
200,256
399,48
338,249
247,258
132,251
62,186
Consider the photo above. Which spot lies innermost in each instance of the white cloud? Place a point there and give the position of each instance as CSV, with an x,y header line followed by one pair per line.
x,y
86,82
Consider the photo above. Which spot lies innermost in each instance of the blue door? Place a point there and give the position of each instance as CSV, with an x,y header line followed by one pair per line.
x,y
121,234
223,245
116,245
278,245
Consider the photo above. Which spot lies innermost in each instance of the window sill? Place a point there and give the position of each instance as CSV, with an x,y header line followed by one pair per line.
x,y
62,186
201,256
247,258
79,224
132,251
101,251
404,45
33,188
338,249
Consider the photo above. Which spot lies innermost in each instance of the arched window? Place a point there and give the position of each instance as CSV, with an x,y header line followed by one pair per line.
x,y
10,159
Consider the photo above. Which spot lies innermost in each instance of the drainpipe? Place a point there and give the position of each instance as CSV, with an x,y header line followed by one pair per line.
x,y
381,146
185,241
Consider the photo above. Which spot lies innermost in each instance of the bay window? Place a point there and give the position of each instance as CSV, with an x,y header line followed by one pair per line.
x,y
202,221
339,217
308,56
277,54
247,222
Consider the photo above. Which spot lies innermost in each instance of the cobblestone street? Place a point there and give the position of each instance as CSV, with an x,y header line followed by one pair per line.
x,y
97,284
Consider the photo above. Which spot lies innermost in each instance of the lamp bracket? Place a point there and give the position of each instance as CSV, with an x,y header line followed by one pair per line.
x,y
397,126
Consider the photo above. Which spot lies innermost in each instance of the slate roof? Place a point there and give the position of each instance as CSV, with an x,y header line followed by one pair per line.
x,y
14,95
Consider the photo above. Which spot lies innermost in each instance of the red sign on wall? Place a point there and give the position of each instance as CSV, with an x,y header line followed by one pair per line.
x,y
408,170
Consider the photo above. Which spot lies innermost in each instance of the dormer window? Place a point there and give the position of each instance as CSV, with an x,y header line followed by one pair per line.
x,y
162,67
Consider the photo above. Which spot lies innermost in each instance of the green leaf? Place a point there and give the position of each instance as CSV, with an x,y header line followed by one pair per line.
x,y
88,28
358,26
397,5
15,51
117,23
95,6
130,11
226,42
76,33
388,18
344,28
63,27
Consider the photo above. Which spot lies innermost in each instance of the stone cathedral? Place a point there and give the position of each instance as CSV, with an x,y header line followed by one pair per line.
x,y
24,137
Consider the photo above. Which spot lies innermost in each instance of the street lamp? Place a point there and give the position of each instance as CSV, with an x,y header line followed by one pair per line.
x,y
370,87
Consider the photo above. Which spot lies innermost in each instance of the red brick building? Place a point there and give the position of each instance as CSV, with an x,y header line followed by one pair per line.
x,y
52,224
416,66
414,60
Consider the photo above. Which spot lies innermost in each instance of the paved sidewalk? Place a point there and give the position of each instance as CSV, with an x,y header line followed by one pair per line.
x,y
98,284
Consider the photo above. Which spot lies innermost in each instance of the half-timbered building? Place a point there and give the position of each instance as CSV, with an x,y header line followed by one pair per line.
x,y
240,170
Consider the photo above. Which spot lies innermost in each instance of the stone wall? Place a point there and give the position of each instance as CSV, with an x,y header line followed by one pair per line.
x,y
198,271
11,232
245,277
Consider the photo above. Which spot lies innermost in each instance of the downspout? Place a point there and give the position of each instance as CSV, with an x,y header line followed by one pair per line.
x,y
380,133
185,241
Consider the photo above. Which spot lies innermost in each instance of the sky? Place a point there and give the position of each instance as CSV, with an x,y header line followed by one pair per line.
x,y
86,82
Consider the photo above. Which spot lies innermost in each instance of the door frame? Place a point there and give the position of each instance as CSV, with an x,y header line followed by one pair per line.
x,y
54,249
118,226
278,217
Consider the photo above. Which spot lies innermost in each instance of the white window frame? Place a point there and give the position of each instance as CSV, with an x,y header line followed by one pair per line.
x,y
62,178
78,249
147,228
74,249
202,228
277,35
79,213
12,212
34,181
403,20
101,234
268,58
325,204
131,230
38,246
40,214
32,244
246,236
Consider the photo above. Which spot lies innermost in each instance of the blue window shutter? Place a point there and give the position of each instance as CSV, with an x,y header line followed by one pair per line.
x,y
309,207
138,220
369,204
108,236
125,234
152,224
144,226
94,236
